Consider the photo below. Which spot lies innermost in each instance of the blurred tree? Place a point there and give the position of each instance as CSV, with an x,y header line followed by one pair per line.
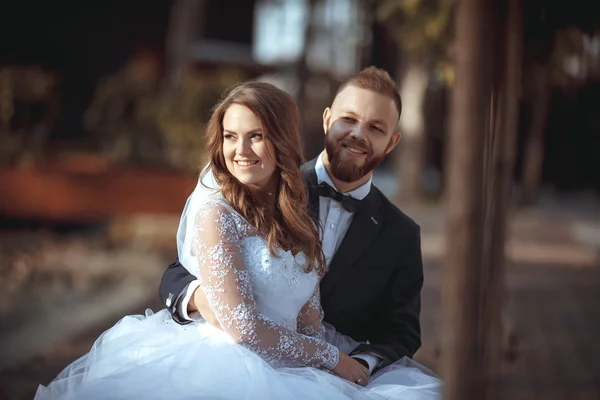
x,y
185,24
136,123
553,58
183,113
365,19
122,113
29,110
189,94
422,32
303,73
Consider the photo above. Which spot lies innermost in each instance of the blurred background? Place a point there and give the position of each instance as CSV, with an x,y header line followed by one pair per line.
x,y
102,105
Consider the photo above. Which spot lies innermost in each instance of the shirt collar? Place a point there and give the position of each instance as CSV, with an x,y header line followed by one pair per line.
x,y
323,176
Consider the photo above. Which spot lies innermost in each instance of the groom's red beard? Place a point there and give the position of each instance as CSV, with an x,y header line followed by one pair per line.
x,y
347,170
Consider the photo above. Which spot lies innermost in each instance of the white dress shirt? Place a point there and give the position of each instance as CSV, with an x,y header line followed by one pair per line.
x,y
335,221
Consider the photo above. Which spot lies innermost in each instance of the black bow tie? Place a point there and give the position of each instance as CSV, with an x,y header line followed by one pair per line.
x,y
349,203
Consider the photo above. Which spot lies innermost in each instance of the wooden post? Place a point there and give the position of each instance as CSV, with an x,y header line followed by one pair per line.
x,y
498,196
463,337
481,161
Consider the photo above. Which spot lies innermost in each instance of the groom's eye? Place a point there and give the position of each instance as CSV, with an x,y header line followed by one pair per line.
x,y
349,119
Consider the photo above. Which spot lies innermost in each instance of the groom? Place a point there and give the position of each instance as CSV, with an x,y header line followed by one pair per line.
x,y
371,292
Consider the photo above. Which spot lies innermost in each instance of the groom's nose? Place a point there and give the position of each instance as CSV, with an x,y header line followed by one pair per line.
x,y
359,132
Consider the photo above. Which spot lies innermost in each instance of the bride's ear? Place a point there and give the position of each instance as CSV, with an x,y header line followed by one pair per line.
x,y
326,119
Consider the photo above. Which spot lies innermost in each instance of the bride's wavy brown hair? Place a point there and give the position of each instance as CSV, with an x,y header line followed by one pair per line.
x,y
288,224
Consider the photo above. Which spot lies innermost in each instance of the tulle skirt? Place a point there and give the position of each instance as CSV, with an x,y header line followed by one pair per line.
x,y
152,357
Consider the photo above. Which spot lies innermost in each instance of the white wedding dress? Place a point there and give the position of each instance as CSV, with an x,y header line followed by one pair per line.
x,y
271,347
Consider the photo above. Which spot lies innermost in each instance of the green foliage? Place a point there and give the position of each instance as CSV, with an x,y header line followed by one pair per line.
x,y
128,113
183,114
422,29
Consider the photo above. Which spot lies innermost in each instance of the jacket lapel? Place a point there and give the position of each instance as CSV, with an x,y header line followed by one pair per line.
x,y
364,227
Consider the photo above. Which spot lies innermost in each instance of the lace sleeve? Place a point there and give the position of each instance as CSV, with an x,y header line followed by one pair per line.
x,y
228,288
310,318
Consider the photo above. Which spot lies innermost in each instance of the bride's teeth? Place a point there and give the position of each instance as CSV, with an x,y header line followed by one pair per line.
x,y
246,163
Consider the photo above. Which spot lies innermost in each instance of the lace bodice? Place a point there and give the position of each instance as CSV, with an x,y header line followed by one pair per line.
x,y
266,303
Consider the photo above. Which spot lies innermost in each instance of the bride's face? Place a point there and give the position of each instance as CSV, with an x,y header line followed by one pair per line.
x,y
248,155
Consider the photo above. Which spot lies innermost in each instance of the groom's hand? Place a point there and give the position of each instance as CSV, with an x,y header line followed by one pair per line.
x,y
198,303
363,362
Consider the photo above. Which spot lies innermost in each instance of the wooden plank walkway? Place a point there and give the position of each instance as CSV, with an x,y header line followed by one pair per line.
x,y
556,312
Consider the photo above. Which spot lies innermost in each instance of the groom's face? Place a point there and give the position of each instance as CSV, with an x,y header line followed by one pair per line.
x,y
360,130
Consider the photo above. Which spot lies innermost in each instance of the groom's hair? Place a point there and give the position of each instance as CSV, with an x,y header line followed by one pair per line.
x,y
376,80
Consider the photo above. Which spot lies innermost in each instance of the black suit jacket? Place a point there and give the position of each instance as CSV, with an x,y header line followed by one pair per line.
x,y
372,289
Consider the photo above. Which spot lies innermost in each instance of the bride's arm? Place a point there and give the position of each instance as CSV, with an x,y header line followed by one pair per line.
x,y
310,323
310,318
228,288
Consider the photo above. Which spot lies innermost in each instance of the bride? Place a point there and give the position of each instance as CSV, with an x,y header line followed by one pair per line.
x,y
247,235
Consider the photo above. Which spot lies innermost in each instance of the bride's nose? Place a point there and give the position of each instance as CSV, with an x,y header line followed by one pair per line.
x,y
244,147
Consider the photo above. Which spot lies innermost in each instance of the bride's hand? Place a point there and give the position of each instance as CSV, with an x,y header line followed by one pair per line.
x,y
351,370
